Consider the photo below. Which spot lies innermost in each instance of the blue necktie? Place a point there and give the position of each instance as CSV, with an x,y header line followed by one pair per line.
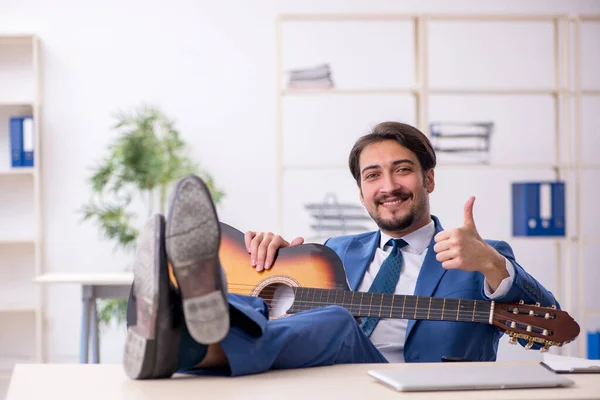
x,y
386,280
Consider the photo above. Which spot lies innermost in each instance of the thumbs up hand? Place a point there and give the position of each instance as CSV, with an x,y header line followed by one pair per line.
x,y
463,248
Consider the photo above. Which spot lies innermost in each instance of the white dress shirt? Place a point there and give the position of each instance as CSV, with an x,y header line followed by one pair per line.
x,y
389,334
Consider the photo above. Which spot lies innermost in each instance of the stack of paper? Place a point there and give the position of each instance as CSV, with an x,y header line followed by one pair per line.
x,y
318,77
566,364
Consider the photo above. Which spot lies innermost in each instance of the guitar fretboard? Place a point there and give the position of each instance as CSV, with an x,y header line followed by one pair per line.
x,y
362,304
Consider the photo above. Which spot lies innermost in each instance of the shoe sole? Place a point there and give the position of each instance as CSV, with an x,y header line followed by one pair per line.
x,y
193,239
151,345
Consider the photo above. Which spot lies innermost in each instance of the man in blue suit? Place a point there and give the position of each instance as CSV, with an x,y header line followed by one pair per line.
x,y
200,328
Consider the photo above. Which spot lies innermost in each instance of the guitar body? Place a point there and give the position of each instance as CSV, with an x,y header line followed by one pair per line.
x,y
306,265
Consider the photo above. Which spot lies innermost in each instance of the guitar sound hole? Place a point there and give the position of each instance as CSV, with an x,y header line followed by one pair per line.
x,y
279,297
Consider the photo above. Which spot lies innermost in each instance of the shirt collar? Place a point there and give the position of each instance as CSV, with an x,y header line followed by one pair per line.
x,y
419,240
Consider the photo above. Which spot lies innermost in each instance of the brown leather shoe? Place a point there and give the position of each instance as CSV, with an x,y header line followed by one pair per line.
x,y
154,321
193,237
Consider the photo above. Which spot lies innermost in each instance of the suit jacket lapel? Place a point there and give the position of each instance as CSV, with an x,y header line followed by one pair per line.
x,y
430,275
362,251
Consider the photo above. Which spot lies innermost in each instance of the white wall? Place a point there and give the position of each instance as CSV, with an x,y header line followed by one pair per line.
x,y
210,65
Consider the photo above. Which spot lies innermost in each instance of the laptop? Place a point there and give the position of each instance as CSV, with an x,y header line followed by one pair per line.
x,y
470,377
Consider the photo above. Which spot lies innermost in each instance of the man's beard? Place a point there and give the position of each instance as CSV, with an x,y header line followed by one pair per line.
x,y
396,223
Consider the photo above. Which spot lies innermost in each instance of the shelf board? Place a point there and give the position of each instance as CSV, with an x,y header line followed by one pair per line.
x,y
517,165
5,103
12,241
434,91
492,91
16,308
345,17
334,91
17,36
18,171
470,17
448,164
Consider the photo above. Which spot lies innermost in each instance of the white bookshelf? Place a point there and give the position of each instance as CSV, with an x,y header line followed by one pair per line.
x,y
565,80
21,313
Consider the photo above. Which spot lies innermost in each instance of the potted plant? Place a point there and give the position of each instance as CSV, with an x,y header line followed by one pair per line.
x,y
144,161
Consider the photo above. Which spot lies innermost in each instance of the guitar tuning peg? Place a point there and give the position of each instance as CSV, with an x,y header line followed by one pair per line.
x,y
553,306
521,302
545,348
512,340
537,303
529,345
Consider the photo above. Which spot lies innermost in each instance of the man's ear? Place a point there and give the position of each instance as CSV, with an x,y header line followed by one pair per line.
x,y
430,180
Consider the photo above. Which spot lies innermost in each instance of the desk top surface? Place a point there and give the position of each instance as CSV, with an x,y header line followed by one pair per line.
x,y
105,279
345,382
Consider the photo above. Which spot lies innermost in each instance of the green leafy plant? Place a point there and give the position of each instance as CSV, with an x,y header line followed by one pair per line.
x,y
144,161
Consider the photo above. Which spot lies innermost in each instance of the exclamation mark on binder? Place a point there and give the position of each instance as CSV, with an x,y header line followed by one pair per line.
x,y
545,204
28,142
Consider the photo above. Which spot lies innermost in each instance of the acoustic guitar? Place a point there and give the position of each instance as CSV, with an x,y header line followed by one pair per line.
x,y
312,275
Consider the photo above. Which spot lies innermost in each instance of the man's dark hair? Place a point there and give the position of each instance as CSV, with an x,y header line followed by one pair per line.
x,y
406,135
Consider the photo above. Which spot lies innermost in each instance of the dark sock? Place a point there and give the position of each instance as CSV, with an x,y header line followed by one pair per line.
x,y
191,353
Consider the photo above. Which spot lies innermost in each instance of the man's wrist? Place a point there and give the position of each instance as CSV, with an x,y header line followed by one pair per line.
x,y
495,271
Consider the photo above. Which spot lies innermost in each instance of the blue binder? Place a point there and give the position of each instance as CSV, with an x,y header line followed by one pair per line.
x,y
538,208
21,141
16,141
593,345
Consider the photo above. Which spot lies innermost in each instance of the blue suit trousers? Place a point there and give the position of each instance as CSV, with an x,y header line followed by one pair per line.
x,y
254,344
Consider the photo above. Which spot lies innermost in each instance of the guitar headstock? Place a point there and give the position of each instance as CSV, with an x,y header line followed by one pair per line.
x,y
544,325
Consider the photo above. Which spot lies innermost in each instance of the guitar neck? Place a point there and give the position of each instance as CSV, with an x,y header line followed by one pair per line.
x,y
363,304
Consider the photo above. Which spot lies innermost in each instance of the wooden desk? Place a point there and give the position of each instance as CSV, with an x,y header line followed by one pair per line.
x,y
344,382
93,287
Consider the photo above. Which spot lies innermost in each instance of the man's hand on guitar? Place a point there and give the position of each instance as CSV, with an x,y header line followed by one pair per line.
x,y
463,248
263,247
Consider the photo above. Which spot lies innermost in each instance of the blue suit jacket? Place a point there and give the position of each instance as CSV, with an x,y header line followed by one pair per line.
x,y
428,341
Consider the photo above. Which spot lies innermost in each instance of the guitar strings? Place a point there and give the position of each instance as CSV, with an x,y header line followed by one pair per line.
x,y
270,290
452,309
384,309
412,312
408,311
464,314
376,302
433,311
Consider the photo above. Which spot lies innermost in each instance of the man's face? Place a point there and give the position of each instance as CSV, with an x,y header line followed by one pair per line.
x,y
393,189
